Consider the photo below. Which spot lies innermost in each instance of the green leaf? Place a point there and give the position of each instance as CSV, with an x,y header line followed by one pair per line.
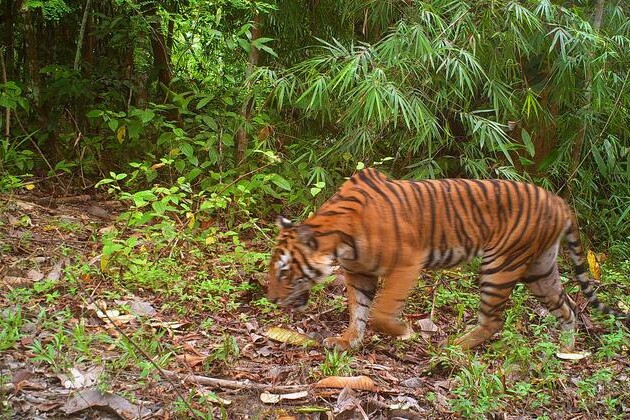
x,y
281,182
159,207
187,150
550,159
527,142
210,122
146,116
113,125
204,101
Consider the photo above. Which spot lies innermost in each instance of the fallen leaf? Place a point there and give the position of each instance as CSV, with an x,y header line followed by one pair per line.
x,y
142,308
269,398
99,212
191,359
251,326
412,383
362,382
573,356
309,409
107,229
443,385
346,401
593,265
34,275
405,403
93,398
256,338
169,325
47,406
265,351
426,325
284,335
55,273
13,281
76,379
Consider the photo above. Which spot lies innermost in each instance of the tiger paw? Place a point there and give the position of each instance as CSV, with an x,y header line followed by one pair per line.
x,y
393,327
407,334
336,342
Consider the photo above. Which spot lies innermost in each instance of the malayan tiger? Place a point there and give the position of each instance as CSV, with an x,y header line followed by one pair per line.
x,y
377,228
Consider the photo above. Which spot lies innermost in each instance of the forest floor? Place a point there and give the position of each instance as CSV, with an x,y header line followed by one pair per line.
x,y
99,320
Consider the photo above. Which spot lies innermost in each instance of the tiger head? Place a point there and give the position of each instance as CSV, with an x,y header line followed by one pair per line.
x,y
298,262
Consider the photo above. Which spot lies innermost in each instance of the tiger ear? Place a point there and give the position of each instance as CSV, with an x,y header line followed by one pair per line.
x,y
283,222
306,236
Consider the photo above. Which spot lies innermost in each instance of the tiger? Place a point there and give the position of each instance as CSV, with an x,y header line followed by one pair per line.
x,y
383,233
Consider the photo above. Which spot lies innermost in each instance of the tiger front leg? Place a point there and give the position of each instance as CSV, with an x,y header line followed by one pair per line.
x,y
361,290
391,300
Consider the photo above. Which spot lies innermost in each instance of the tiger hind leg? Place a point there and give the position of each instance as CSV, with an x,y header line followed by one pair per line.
x,y
391,300
361,290
496,285
543,280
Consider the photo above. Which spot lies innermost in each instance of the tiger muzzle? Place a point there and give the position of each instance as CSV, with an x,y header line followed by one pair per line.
x,y
296,302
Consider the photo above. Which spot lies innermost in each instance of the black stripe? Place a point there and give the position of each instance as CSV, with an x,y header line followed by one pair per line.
x,y
559,304
573,244
306,263
365,292
535,277
501,286
580,269
493,294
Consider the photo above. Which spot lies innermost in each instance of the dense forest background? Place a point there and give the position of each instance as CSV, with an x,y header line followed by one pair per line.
x,y
146,148
295,93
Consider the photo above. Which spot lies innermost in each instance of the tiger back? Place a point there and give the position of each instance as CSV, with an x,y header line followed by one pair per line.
x,y
377,228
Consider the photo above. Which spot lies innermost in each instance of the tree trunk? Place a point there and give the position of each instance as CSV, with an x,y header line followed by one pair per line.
x,y
7,111
7,38
576,153
161,56
32,56
86,13
545,135
248,104
171,26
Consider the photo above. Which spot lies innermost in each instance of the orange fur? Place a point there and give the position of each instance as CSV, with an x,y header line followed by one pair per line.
x,y
380,228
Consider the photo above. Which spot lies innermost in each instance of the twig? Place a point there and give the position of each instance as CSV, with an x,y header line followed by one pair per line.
x,y
243,176
34,143
162,372
232,384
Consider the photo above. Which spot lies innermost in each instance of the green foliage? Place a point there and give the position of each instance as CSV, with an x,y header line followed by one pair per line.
x,y
478,391
336,363
10,324
226,352
51,9
444,89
